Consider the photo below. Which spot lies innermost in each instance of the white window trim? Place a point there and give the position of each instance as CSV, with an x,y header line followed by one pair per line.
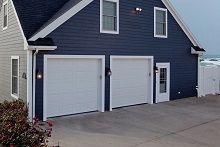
x,y
101,18
155,32
13,95
6,2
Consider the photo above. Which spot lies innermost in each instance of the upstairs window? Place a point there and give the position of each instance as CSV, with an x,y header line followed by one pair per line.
x,y
109,19
5,15
160,22
15,77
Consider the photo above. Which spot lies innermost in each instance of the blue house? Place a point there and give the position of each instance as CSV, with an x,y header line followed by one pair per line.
x,y
74,56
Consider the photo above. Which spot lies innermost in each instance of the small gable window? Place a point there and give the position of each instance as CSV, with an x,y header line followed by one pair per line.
x,y
15,77
5,15
160,22
109,19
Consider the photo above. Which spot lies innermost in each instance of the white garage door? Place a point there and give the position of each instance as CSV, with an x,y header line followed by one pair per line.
x,y
73,86
130,81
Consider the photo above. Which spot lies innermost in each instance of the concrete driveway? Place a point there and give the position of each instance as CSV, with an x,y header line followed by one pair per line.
x,y
192,122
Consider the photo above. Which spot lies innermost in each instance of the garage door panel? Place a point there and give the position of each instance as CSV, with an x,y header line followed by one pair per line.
x,y
128,64
129,81
131,90
129,67
87,64
73,86
63,88
84,83
129,76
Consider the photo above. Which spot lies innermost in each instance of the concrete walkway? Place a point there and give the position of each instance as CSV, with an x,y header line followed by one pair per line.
x,y
191,122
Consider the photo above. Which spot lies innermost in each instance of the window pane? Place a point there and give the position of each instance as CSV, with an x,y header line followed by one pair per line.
x,y
109,16
163,80
109,8
5,21
161,29
14,85
161,22
161,16
5,9
109,23
14,67
15,76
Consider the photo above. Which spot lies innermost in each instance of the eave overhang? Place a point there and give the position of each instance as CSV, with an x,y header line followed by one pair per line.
x,y
44,44
197,50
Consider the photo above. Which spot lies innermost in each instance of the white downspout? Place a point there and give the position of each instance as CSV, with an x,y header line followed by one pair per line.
x,y
34,82
29,83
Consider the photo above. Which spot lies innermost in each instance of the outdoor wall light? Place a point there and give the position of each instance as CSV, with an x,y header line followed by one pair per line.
x,y
39,75
108,72
156,70
138,9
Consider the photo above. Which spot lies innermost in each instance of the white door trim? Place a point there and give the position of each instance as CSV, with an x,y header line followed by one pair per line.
x,y
167,65
46,57
151,58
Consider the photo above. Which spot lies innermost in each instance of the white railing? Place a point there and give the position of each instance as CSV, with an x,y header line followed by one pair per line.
x,y
209,81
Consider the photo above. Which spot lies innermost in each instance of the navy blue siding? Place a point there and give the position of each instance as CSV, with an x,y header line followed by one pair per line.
x,y
81,36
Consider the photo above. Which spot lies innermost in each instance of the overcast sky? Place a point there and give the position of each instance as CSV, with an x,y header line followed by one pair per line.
x,y
203,19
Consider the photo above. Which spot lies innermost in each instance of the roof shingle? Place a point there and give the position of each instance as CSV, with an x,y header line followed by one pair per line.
x,y
35,13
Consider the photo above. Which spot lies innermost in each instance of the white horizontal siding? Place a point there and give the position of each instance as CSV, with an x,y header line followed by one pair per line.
x,y
11,44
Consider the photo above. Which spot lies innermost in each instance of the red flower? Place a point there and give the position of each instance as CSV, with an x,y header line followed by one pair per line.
x,y
50,123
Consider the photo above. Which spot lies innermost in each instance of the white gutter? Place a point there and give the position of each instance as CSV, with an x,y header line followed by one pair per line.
x,y
43,48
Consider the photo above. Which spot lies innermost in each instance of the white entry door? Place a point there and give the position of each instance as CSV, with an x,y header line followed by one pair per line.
x,y
163,82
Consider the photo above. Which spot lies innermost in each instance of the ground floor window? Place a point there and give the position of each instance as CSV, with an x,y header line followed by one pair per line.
x,y
15,76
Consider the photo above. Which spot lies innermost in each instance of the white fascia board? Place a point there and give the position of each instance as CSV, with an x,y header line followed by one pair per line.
x,y
179,20
43,32
42,48
20,27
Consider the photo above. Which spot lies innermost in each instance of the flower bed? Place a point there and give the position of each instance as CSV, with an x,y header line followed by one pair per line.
x,y
16,130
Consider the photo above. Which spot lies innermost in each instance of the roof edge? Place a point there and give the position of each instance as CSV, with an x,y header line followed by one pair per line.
x,y
43,32
19,24
180,21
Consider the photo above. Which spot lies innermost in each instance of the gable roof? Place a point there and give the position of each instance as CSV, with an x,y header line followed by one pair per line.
x,y
53,13
34,13
66,12
179,20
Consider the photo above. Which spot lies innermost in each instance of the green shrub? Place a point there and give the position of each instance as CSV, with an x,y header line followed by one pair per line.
x,y
16,129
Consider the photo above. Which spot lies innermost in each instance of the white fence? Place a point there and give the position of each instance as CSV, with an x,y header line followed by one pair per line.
x,y
209,81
